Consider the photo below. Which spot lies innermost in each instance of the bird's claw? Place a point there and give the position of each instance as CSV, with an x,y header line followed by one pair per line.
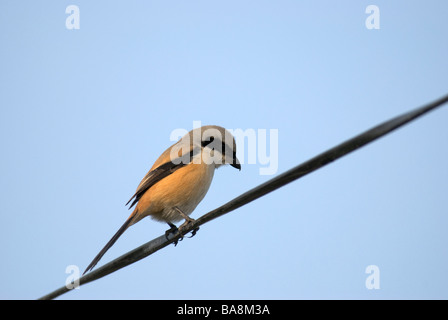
x,y
175,231
193,232
172,230
183,226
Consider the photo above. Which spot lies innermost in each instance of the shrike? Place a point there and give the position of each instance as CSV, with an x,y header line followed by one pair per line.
x,y
179,180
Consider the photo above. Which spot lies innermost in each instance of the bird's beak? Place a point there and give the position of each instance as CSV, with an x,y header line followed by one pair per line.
x,y
236,163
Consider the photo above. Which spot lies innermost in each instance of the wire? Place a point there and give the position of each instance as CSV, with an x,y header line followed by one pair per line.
x,y
257,192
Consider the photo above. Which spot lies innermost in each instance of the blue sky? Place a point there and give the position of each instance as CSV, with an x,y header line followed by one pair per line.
x,y
84,114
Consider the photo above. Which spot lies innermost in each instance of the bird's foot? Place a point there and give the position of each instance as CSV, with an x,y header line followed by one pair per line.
x,y
186,225
181,229
172,230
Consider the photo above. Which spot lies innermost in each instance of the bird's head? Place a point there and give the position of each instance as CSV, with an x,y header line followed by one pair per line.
x,y
217,144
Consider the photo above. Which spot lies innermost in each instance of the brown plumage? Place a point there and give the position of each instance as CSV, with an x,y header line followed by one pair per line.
x,y
179,179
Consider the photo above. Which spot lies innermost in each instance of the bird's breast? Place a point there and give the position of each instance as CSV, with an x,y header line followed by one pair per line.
x,y
184,189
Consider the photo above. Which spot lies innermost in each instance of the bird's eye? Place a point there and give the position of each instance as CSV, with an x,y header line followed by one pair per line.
x,y
205,143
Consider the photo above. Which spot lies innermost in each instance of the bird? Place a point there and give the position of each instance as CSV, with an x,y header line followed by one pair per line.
x,y
178,181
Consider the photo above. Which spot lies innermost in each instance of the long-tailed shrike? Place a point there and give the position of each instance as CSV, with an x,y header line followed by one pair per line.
x,y
179,180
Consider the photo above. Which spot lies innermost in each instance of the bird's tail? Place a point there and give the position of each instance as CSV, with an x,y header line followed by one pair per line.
x,y
111,242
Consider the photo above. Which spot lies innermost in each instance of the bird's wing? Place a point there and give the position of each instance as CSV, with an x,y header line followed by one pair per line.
x,y
160,172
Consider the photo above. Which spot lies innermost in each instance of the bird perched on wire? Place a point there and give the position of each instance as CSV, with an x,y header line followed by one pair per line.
x,y
179,180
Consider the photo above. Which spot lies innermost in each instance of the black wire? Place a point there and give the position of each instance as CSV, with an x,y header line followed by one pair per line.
x,y
273,184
